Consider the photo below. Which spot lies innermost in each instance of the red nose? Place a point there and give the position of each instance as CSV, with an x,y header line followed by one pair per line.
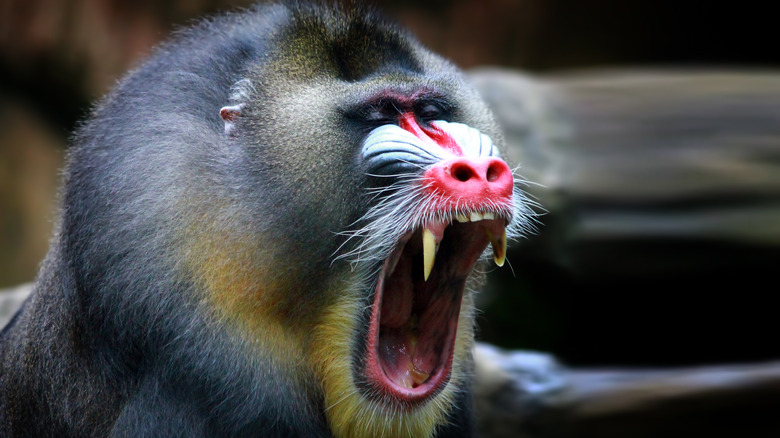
x,y
471,182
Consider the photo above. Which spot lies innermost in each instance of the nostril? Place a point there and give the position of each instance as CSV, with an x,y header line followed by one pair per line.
x,y
462,172
494,171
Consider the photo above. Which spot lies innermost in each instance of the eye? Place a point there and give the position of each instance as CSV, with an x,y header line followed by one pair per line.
x,y
380,117
384,112
430,112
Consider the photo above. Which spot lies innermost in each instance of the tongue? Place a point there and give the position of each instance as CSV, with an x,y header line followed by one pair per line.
x,y
411,351
400,356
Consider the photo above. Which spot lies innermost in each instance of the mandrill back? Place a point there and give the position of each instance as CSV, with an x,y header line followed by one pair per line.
x,y
238,252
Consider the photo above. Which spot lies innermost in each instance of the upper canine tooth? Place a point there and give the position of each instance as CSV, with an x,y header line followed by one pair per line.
x,y
476,216
429,251
499,247
460,217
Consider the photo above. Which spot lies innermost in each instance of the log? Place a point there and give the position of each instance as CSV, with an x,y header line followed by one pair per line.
x,y
11,300
531,395
662,198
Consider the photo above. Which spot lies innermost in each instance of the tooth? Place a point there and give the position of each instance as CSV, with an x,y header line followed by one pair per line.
x,y
476,216
489,215
429,251
413,376
418,376
499,247
460,217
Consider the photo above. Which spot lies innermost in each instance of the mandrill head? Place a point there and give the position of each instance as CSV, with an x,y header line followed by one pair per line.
x,y
359,183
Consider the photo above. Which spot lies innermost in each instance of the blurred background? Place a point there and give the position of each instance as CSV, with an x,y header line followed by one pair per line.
x,y
650,131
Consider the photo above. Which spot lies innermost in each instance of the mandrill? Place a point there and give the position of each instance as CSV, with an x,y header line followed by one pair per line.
x,y
267,230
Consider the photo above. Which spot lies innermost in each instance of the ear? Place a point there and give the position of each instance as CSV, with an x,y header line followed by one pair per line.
x,y
240,93
229,114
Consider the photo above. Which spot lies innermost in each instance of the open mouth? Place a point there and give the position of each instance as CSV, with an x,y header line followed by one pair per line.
x,y
414,318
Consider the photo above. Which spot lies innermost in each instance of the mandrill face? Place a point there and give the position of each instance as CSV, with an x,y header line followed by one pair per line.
x,y
450,197
423,195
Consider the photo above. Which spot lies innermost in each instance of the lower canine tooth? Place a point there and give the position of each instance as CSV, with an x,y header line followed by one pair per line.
x,y
429,251
418,376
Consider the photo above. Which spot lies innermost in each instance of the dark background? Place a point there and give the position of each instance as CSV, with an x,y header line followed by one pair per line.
x,y
57,57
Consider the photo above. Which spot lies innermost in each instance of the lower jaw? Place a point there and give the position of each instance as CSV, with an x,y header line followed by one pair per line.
x,y
437,302
378,382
